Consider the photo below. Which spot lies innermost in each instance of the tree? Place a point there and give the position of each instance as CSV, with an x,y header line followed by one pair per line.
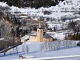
x,y
78,44
32,3
17,49
55,28
10,52
27,49
41,47
72,25
35,28
75,36
12,32
23,49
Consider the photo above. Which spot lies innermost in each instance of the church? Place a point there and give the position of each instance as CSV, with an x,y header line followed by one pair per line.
x,y
40,36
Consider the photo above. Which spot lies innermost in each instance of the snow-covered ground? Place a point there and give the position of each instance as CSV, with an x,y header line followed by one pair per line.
x,y
55,10
34,50
66,9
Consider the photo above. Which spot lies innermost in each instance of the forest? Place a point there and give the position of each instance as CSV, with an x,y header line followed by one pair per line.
x,y
32,3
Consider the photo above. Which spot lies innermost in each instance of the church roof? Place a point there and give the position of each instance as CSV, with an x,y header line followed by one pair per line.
x,y
45,35
25,37
33,33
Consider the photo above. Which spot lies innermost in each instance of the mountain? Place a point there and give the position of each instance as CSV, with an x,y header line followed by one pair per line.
x,y
32,3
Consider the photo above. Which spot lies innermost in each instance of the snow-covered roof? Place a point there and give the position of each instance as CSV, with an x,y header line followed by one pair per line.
x,y
1,38
33,33
57,35
3,4
25,37
78,19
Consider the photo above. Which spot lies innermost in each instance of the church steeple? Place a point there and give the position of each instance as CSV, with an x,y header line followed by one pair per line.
x,y
39,32
39,24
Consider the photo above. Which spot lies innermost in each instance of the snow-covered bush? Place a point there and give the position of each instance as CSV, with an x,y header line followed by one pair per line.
x,y
78,44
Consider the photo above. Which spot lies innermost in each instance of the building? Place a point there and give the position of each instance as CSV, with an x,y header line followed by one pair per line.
x,y
41,36
25,38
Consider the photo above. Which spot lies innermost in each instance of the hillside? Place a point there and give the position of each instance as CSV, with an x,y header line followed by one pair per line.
x,y
35,50
57,16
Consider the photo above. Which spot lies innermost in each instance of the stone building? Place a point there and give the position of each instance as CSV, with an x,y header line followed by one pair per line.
x,y
41,36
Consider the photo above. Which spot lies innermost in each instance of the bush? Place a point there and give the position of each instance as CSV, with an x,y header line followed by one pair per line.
x,y
78,44
47,12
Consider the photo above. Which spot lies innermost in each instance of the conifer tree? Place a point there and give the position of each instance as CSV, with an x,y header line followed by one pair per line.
x,y
32,3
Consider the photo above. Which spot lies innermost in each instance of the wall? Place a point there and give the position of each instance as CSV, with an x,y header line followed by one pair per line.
x,y
47,40
22,40
33,38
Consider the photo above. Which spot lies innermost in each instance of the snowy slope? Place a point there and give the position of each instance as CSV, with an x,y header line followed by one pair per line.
x,y
55,10
35,47
70,5
3,4
35,51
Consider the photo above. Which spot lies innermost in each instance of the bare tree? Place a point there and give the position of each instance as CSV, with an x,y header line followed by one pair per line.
x,y
50,45
64,44
4,52
45,46
23,48
27,49
70,42
17,50
58,44
10,53
42,47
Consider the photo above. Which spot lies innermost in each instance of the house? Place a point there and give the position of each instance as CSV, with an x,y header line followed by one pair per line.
x,y
25,38
40,35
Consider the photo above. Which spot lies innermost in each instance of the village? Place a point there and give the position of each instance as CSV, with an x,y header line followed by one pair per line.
x,y
30,34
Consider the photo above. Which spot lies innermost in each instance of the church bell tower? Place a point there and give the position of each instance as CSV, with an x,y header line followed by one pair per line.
x,y
39,33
